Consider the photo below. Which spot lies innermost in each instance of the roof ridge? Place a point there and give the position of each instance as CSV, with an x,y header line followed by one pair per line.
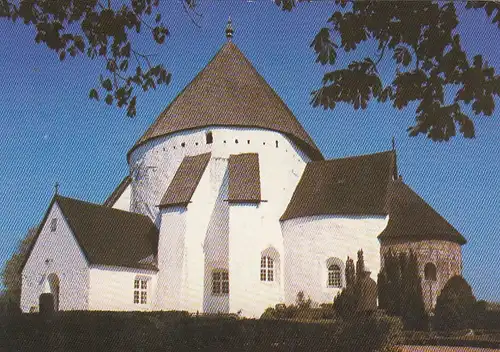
x,y
353,157
58,196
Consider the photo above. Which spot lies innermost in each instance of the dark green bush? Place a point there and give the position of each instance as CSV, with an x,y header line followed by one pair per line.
x,y
455,306
375,332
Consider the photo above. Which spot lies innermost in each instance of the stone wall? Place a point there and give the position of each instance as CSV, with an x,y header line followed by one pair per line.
x,y
444,255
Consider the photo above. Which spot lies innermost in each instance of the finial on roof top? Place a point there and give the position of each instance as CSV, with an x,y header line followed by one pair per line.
x,y
229,29
56,188
393,143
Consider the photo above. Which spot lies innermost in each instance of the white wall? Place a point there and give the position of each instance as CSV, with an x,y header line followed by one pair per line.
x,y
203,236
310,241
252,231
112,288
154,164
171,248
59,253
123,202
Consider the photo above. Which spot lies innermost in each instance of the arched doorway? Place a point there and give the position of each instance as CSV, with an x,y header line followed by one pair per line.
x,y
53,280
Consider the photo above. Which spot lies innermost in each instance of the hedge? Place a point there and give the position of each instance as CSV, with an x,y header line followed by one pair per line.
x,y
178,331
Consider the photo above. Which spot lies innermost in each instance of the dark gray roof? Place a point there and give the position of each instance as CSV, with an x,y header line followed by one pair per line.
x,y
365,185
244,178
410,217
186,179
229,92
348,186
113,197
109,236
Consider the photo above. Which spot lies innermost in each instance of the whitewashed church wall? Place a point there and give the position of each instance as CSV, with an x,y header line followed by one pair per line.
x,y
195,240
112,288
216,233
311,241
252,233
199,214
123,202
154,164
171,253
56,253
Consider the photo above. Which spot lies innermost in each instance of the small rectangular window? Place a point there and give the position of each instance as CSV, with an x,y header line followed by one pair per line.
x,y
53,225
220,282
140,291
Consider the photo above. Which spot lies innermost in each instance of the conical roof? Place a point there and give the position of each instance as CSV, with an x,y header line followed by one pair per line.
x,y
229,92
410,217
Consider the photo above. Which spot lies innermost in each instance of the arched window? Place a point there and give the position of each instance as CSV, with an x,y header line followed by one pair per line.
x,y
266,268
430,272
334,276
269,265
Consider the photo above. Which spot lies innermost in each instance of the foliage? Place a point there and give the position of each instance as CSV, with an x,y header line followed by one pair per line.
x,y
350,273
428,60
455,306
346,301
400,290
177,331
390,289
420,38
301,301
301,310
11,273
371,333
360,265
413,308
101,30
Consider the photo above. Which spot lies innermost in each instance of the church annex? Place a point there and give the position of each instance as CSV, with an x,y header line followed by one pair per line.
x,y
230,207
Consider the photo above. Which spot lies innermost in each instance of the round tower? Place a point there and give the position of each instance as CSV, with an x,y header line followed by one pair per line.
x,y
414,226
215,172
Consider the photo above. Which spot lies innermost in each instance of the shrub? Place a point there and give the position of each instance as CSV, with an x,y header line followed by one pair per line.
x,y
376,332
400,290
455,306
345,302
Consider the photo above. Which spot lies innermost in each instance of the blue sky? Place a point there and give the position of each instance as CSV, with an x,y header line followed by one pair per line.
x,y
50,131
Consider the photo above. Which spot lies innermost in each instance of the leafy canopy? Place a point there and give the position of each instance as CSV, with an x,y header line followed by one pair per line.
x,y
422,40
419,36
101,30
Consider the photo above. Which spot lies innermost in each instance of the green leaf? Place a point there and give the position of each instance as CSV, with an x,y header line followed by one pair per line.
x,y
93,94
109,99
106,84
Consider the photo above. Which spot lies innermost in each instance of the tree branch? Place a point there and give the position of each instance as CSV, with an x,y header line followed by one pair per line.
x,y
186,10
